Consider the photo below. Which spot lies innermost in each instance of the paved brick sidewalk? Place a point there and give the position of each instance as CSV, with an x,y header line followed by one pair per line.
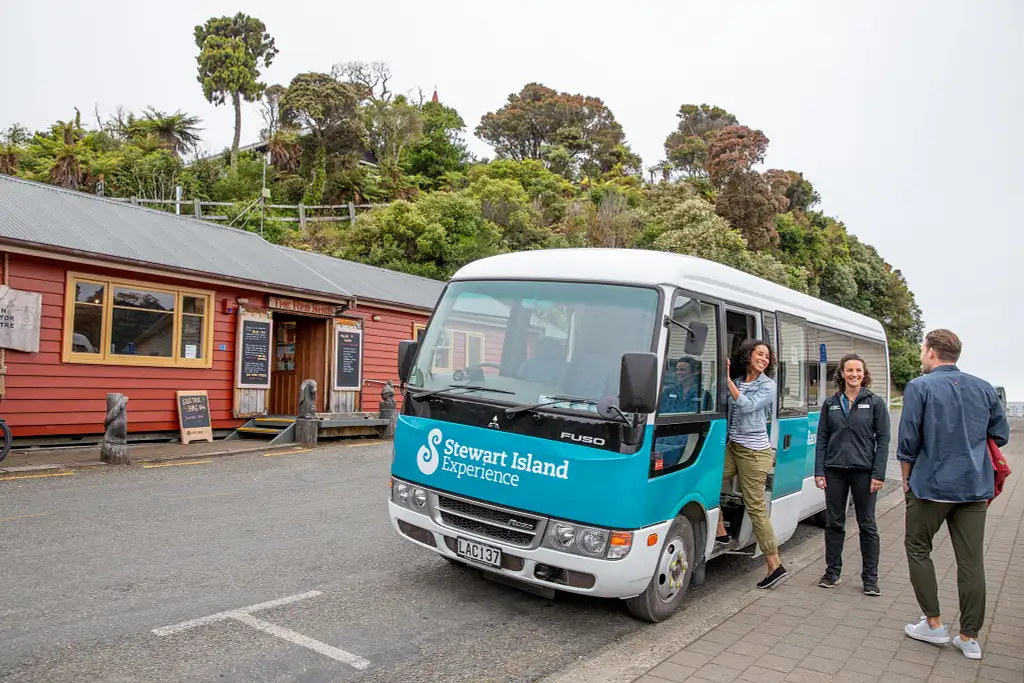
x,y
800,632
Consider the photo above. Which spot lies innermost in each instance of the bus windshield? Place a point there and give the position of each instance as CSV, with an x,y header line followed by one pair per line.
x,y
524,342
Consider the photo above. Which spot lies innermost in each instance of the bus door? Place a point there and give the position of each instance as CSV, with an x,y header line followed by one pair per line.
x,y
741,325
788,336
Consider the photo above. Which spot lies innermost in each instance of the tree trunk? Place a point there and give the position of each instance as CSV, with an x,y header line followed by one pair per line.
x,y
238,128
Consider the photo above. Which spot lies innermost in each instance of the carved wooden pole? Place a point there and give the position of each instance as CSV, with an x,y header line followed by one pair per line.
x,y
306,425
388,410
114,449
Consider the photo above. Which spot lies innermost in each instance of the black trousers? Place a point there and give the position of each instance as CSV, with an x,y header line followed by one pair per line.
x,y
839,484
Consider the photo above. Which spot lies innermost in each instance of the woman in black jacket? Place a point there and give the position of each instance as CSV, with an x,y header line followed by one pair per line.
x,y
852,448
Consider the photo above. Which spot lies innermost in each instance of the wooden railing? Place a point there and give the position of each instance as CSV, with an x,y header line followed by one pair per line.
x,y
195,208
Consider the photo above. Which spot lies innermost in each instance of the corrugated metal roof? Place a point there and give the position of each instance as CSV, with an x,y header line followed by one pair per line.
x,y
45,215
371,282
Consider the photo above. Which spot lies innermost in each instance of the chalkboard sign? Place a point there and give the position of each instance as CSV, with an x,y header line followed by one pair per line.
x,y
348,359
254,353
194,416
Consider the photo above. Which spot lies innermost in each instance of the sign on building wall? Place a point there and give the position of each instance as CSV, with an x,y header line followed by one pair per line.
x,y
194,416
296,306
348,359
252,364
20,316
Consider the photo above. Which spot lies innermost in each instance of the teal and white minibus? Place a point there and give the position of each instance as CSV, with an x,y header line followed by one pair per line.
x,y
564,418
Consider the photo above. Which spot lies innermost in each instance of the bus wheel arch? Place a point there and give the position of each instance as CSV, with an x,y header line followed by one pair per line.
x,y
695,513
672,575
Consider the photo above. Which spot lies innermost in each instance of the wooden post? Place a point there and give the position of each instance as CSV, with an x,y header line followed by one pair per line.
x,y
114,449
197,208
306,425
388,410
302,217
351,213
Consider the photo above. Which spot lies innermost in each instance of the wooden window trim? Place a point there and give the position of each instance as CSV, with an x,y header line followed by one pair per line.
x,y
107,358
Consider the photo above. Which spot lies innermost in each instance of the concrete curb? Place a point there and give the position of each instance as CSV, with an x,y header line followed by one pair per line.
x,y
94,464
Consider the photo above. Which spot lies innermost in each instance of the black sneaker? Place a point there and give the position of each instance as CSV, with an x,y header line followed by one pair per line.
x,y
773,579
723,540
871,588
829,581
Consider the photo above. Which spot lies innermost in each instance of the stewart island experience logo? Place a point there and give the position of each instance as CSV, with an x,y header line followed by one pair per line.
x,y
466,461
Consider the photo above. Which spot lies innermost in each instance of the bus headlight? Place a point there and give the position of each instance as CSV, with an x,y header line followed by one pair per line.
x,y
593,541
402,492
419,497
562,535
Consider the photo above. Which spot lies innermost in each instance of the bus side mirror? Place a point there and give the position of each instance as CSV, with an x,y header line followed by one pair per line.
x,y
696,339
406,354
638,383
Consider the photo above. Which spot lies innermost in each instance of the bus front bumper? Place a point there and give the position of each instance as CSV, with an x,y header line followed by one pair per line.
x,y
544,567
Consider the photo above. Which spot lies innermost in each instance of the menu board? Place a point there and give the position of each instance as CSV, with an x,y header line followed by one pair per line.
x,y
194,416
254,353
348,359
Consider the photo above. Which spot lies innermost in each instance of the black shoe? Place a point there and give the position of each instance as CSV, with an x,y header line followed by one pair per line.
x,y
773,579
723,540
871,588
828,581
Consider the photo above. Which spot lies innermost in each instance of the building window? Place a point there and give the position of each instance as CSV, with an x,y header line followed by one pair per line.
x,y
458,349
120,322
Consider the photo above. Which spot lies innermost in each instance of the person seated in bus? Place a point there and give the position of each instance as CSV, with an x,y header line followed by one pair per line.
x,y
747,450
682,393
850,457
547,362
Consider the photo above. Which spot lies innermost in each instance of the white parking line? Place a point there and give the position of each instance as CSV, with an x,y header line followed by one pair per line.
x,y
304,641
244,615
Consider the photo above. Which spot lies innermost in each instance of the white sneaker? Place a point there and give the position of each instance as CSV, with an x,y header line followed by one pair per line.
x,y
925,633
970,648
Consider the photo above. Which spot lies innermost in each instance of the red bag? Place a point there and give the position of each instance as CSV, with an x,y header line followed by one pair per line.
x,y
1000,466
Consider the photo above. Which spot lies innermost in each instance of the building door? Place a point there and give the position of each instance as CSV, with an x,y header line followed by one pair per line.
x,y
300,353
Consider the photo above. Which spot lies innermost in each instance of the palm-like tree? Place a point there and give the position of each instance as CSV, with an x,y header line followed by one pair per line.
x,y
63,154
177,132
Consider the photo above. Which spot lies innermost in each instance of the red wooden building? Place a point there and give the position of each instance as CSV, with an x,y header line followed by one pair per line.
x,y
146,303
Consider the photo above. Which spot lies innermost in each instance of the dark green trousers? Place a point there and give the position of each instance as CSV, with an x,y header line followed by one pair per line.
x,y
966,524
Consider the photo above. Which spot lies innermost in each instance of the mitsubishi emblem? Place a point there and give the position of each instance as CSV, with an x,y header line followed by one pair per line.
x,y
494,423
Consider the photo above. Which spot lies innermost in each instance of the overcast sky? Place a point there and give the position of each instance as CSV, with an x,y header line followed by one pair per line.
x,y
905,115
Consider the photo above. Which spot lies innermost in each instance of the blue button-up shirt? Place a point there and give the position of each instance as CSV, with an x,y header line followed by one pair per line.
x,y
947,418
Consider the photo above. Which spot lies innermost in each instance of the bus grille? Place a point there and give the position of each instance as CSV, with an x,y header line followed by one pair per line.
x,y
511,527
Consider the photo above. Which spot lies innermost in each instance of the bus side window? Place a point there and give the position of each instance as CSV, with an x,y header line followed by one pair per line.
x,y
689,386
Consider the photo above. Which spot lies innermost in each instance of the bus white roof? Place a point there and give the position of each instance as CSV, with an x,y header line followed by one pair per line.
x,y
637,266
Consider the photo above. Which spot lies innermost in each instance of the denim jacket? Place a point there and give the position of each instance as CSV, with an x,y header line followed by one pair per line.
x,y
947,419
751,412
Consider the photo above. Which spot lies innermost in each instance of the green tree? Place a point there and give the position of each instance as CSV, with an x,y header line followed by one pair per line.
x,y
330,111
432,237
12,147
392,128
799,192
577,135
550,192
177,132
231,51
686,148
439,157
506,204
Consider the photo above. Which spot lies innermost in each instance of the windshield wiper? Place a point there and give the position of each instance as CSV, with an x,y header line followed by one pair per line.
x,y
450,387
552,400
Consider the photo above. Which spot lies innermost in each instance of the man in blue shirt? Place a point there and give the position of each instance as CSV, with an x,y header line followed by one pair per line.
x,y
948,417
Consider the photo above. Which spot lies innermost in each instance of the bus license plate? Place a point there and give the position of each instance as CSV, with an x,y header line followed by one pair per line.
x,y
478,552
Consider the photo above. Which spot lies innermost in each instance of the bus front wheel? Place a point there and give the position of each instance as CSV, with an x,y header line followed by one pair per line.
x,y
672,575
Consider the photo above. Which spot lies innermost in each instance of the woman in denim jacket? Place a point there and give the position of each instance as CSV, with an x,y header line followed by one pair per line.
x,y
748,451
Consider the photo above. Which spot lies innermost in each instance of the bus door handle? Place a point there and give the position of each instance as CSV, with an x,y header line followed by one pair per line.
x,y
786,441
